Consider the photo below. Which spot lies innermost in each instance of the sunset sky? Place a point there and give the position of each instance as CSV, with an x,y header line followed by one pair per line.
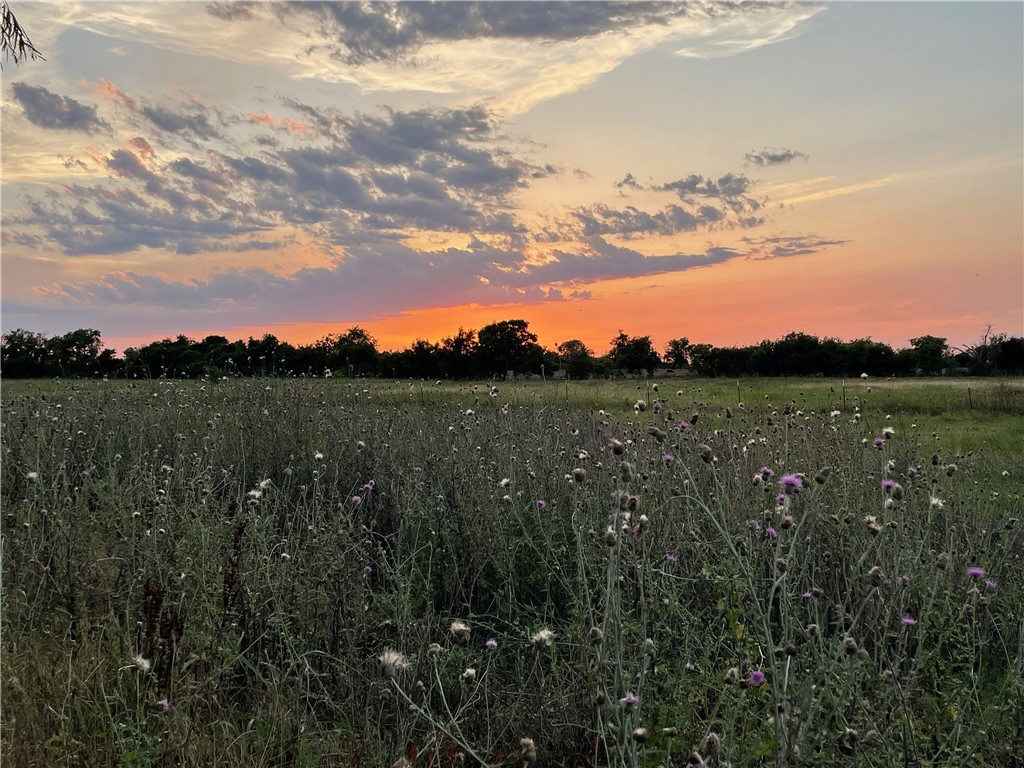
x,y
725,172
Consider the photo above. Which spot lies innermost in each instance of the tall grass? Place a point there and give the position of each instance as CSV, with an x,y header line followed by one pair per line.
x,y
209,573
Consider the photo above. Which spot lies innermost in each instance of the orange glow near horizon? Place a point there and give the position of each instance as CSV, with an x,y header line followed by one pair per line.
x,y
732,304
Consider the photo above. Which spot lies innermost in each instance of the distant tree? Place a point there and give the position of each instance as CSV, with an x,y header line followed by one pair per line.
x,y
354,351
24,354
577,360
508,346
634,354
930,354
677,352
460,354
14,41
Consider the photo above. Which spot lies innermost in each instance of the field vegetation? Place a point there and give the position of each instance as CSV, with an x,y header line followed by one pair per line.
x,y
347,572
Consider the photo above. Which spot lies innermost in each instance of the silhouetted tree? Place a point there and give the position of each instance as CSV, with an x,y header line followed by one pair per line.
x,y
576,358
508,346
634,354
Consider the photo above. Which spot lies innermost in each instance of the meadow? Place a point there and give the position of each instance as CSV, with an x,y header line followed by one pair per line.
x,y
265,572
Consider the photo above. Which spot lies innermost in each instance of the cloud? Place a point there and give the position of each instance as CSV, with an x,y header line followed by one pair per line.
x,y
50,110
107,91
768,156
361,178
167,119
781,246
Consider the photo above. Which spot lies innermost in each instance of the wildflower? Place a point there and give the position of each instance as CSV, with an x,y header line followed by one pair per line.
x,y
732,675
579,475
787,522
672,558
545,638
469,676
639,735
32,476
596,635
873,527
975,572
879,442
318,456
668,458
888,485
392,662
903,581
950,470
528,750
657,406
164,704
767,472
369,485
757,678
491,644
142,664
991,583
937,503
640,406
682,426
504,482
670,732
755,525
850,646
357,499
610,537
908,621
897,492
460,630
888,432
629,702
541,504
434,649
876,576
791,483
771,533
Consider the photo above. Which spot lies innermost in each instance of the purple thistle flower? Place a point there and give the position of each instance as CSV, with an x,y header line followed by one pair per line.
x,y
771,533
975,572
806,595
755,525
888,485
991,583
629,701
782,498
668,458
767,472
879,442
164,704
757,678
356,499
908,621
491,644
541,504
370,485
682,426
791,483
657,407
671,557
903,581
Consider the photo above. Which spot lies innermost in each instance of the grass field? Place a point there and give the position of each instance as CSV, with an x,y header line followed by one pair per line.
x,y
378,573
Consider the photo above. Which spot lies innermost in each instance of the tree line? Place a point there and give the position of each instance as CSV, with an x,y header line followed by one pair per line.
x,y
496,350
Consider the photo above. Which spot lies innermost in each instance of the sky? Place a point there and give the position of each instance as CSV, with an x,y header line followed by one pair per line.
x,y
727,172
